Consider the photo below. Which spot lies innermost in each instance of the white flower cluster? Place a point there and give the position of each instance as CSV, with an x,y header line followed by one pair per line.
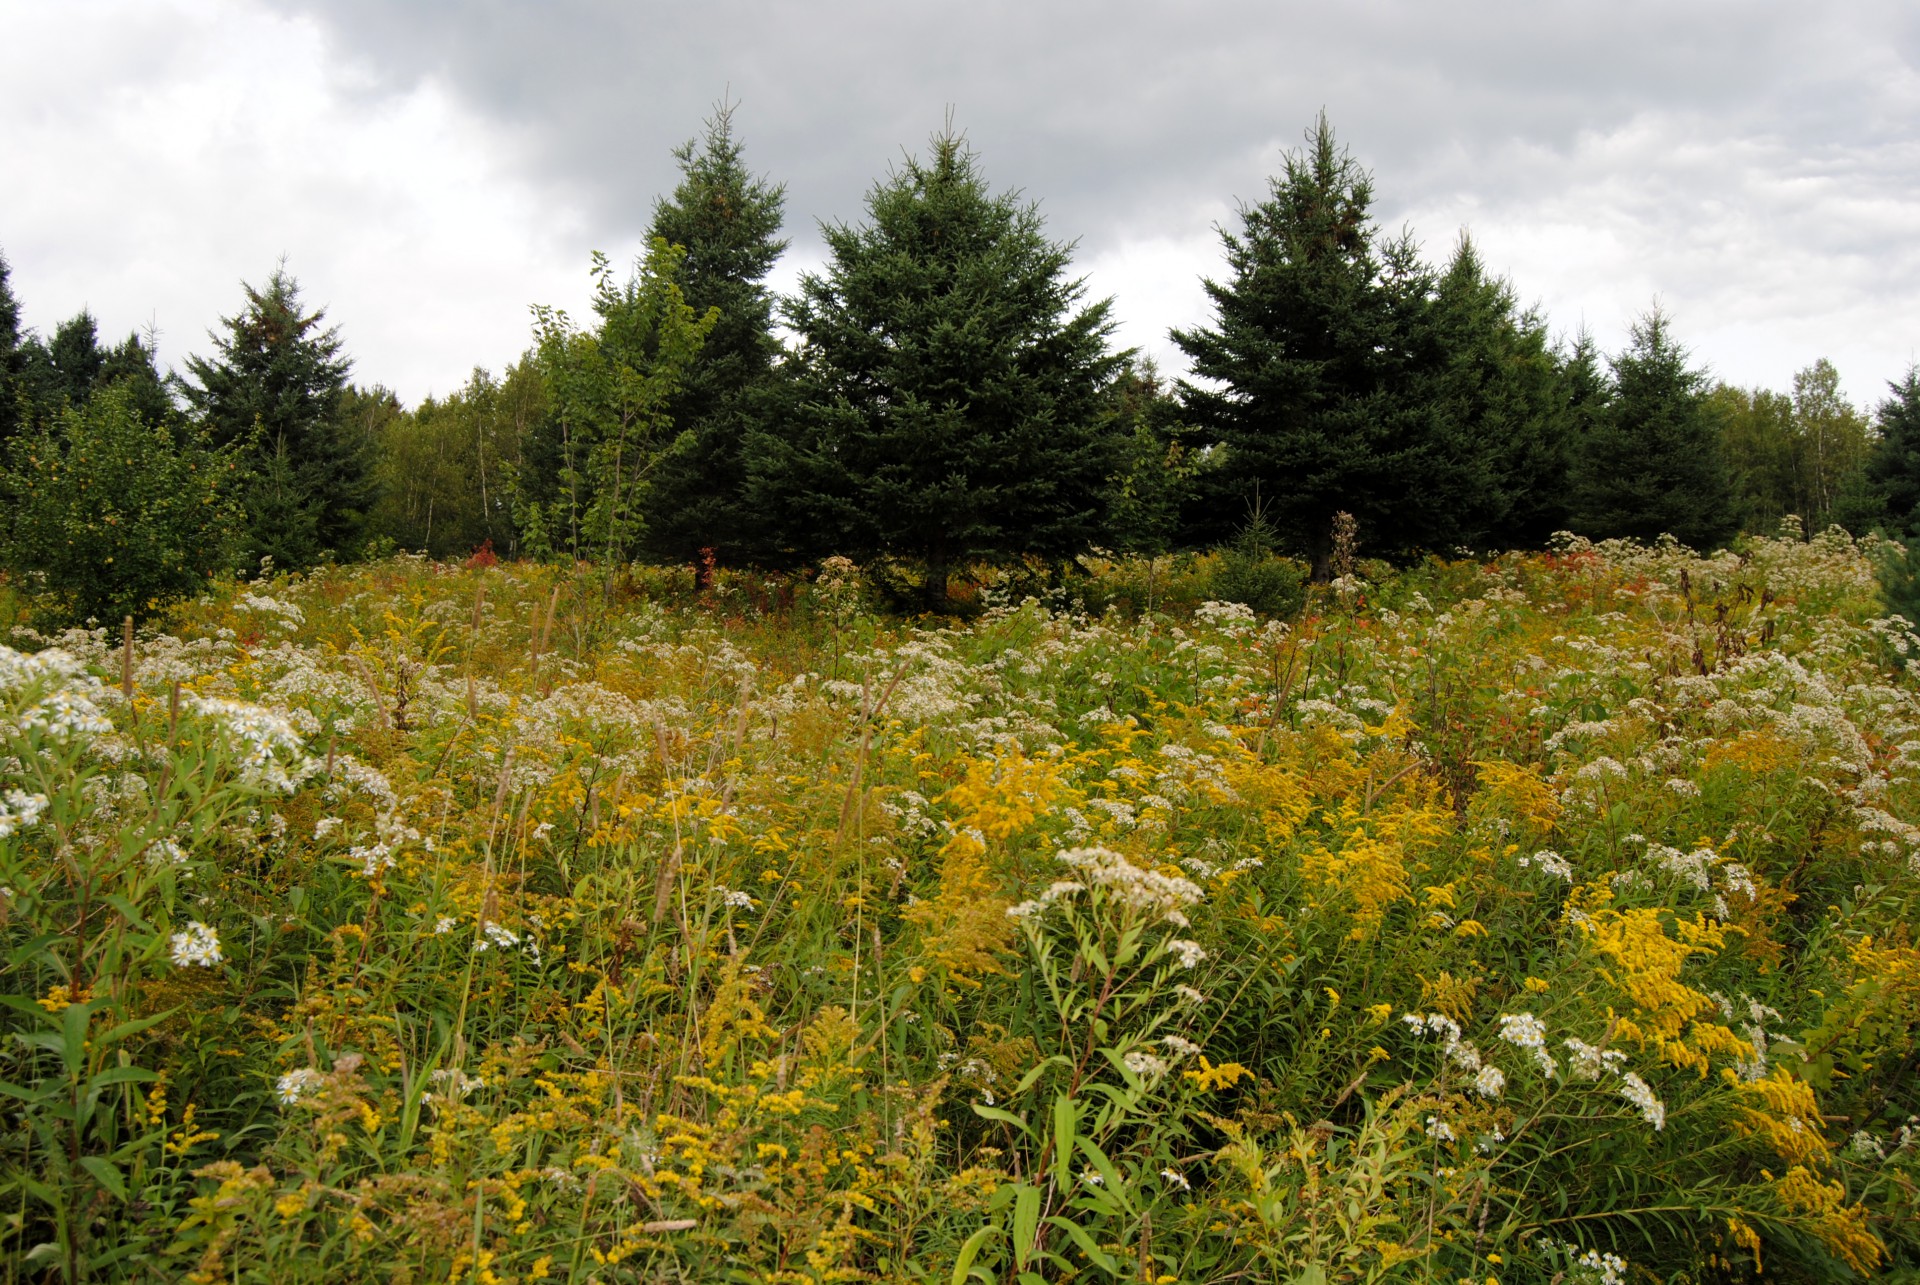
x,y
1548,862
198,945
294,1085
1586,1062
263,738
1525,1031
494,936
1460,1052
1133,887
1640,1095
61,695
733,898
20,811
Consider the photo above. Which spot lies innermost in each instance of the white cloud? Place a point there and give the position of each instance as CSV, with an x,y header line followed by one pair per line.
x,y
164,154
432,168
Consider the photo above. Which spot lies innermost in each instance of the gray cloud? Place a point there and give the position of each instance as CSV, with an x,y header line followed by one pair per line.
x,y
1752,164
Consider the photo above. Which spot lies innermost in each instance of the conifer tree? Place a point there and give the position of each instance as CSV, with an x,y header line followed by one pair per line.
x,y
1893,465
1486,373
728,222
950,384
11,356
1318,365
274,388
1650,464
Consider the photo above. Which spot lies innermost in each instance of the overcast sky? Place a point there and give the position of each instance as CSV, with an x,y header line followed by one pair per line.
x,y
431,168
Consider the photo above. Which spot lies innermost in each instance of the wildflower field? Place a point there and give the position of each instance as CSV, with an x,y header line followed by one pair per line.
x,y
1544,920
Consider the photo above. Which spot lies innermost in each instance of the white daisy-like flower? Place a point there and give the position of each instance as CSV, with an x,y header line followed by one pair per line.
x,y
294,1085
198,945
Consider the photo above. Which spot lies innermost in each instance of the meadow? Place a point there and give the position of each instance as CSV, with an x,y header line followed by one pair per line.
x,y
1548,919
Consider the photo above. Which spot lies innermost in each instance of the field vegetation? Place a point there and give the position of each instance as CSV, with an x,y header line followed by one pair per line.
x,y
1542,919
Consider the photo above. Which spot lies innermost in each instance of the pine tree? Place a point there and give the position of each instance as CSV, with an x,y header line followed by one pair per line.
x,y
274,388
1650,463
1315,376
950,384
1487,374
12,357
1893,464
728,222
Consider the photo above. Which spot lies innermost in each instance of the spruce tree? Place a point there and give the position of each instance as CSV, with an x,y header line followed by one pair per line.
x,y
1487,375
1315,374
11,355
1650,463
1893,464
728,222
950,383
274,388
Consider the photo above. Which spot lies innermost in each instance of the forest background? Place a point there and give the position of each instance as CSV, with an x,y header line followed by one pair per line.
x,y
941,397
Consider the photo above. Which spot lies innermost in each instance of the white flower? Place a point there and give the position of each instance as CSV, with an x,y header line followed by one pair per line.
x,y
1189,995
20,811
1145,1065
373,860
1439,1130
326,826
1179,1046
1176,1179
1131,886
1637,1092
1865,1145
1549,862
732,898
294,1085
165,852
1610,1268
1589,1062
1523,1030
199,945
444,924
1091,1177
1189,952
1490,1083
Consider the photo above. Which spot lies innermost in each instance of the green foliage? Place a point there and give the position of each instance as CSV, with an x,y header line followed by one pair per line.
x,y
274,390
950,387
110,515
449,469
728,222
1801,454
1649,463
609,393
12,359
1343,375
1892,469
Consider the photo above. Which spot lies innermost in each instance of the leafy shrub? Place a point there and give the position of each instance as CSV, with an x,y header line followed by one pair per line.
x,y
108,516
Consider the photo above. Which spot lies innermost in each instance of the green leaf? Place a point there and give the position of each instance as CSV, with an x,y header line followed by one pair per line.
x,y
969,1250
108,1176
1078,1234
1026,1222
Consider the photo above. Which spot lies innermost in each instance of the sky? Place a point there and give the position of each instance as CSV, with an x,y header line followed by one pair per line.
x,y
428,170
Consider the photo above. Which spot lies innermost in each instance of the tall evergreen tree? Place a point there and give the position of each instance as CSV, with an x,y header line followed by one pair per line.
x,y
950,383
1315,376
11,355
61,371
728,221
1892,469
1487,374
1650,463
274,387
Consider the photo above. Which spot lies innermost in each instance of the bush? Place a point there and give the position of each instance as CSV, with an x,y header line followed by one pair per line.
x,y
1251,575
109,516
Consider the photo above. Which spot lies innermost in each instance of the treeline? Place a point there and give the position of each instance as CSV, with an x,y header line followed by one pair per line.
x,y
945,394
